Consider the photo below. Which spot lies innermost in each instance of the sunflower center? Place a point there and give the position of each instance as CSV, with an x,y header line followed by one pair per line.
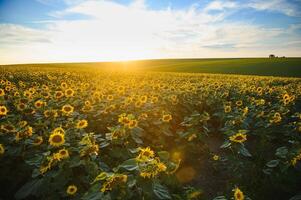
x,y
239,137
57,138
67,109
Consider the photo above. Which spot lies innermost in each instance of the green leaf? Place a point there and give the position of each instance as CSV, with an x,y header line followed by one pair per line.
x,y
296,197
244,151
136,136
281,152
35,161
129,164
93,194
272,163
161,191
226,144
220,198
30,188
100,177
267,171
164,155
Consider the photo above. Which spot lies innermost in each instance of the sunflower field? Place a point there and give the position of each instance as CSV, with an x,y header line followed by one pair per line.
x,y
70,133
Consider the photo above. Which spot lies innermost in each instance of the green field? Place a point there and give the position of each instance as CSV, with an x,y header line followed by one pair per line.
x,y
288,67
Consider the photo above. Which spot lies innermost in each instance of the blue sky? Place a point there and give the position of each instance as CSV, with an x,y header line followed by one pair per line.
x,y
101,30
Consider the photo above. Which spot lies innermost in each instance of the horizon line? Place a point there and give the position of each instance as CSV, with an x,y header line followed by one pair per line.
x,y
147,59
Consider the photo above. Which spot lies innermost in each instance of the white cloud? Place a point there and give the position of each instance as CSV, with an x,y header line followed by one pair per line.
x,y
135,31
20,35
221,5
281,6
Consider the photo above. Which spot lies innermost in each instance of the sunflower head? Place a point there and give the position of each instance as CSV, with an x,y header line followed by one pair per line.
x,y
67,109
145,154
2,150
38,141
58,94
61,154
38,104
133,123
227,109
3,111
8,128
238,194
238,137
238,103
56,139
166,118
2,93
215,157
81,124
143,99
69,92
71,190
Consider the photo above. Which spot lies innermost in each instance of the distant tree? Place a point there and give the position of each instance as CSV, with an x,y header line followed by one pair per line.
x,y
271,56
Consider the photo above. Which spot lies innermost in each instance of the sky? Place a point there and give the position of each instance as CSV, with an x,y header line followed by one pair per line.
x,y
36,31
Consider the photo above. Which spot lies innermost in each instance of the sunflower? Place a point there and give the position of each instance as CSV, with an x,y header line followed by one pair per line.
x,y
166,118
259,90
239,137
81,124
286,96
161,167
38,104
8,128
62,154
276,118
22,123
245,111
151,168
38,141
67,109
64,85
296,159
145,154
58,94
1,149
87,108
69,92
143,99
154,99
71,190
123,119
110,97
59,130
133,124
21,106
56,139
2,93
28,131
239,103
17,94
3,111
138,104
227,109
194,194
87,103
238,194
112,181
215,157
